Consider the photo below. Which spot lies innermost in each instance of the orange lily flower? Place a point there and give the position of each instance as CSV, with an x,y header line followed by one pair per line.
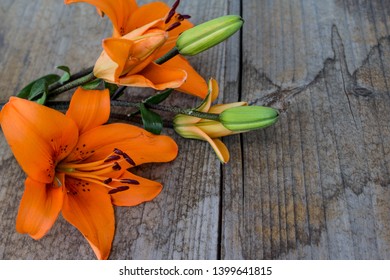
x,y
141,34
78,166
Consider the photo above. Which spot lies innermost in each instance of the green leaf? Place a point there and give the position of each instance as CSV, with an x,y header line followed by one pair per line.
x,y
26,91
152,121
66,76
111,87
43,98
155,99
39,91
159,97
92,84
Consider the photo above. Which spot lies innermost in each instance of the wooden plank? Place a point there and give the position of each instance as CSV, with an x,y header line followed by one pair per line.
x,y
36,37
183,222
315,184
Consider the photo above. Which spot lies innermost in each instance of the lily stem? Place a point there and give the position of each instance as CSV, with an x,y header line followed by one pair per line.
x,y
75,83
172,53
176,110
73,77
63,105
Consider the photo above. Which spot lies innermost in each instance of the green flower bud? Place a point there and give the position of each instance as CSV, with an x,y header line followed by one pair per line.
x,y
208,34
245,118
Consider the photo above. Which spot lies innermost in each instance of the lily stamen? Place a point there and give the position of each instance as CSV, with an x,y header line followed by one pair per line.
x,y
119,189
100,166
94,171
172,11
112,158
125,156
173,26
178,18
104,181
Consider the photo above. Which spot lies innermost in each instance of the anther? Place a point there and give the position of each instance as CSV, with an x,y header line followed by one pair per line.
x,y
107,181
175,5
118,189
173,26
172,11
128,159
112,158
129,181
182,17
116,166
118,152
169,16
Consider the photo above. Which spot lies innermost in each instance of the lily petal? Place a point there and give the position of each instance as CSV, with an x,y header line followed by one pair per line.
x,y
147,13
118,50
152,11
139,144
156,76
219,108
91,212
214,129
212,94
194,84
223,155
195,132
89,108
136,194
39,208
105,68
38,136
119,12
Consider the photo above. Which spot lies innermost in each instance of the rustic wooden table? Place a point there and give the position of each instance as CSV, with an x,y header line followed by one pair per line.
x,y
314,186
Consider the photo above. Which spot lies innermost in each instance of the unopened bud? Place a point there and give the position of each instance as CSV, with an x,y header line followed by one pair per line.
x,y
246,118
208,34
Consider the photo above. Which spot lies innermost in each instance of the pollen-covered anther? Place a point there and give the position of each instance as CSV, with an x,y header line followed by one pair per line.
x,y
116,166
172,11
112,158
118,189
129,181
128,159
181,17
107,181
118,152
124,155
173,26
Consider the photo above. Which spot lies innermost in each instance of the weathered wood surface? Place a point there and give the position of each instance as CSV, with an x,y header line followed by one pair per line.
x,y
314,186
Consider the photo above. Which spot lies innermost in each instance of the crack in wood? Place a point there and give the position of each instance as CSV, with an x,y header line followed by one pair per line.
x,y
345,101
280,97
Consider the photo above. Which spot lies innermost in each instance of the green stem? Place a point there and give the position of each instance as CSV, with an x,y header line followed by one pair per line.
x,y
73,77
78,82
172,53
64,105
176,110
118,93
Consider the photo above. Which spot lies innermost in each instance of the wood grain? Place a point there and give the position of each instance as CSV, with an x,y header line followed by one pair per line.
x,y
314,186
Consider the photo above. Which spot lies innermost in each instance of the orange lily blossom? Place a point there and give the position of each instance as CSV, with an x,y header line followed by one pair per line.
x,y
141,34
78,166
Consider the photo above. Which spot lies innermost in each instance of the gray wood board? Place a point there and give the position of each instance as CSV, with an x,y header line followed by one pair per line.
x,y
313,186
